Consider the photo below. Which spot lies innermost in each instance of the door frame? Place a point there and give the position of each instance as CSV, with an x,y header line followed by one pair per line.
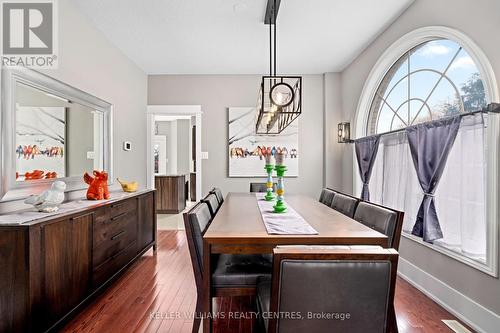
x,y
172,110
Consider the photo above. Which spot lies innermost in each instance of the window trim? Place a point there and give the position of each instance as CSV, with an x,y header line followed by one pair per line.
x,y
376,76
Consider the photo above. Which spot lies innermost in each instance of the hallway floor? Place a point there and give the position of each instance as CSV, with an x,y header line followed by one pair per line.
x,y
173,221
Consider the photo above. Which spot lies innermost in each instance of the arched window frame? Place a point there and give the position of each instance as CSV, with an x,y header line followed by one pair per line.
x,y
375,78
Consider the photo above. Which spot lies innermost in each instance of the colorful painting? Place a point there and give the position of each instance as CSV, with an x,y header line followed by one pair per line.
x,y
245,148
40,142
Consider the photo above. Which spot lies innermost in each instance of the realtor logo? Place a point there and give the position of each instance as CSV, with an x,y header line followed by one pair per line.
x,y
29,33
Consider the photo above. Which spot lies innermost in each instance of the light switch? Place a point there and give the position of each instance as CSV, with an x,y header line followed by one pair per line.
x,y
90,155
204,155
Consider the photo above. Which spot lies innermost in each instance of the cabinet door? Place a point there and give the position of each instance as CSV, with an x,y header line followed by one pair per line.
x,y
14,291
147,218
66,253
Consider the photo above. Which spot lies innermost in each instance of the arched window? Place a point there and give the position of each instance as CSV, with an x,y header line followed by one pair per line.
x,y
435,79
428,74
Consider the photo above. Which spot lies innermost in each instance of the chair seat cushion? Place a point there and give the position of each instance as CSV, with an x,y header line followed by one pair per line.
x,y
240,270
264,299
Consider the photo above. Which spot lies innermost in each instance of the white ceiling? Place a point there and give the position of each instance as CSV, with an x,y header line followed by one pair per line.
x,y
229,36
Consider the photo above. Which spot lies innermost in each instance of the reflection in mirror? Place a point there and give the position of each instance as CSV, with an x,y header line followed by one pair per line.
x,y
55,137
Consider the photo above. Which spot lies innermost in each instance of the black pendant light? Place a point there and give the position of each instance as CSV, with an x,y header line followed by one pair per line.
x,y
280,97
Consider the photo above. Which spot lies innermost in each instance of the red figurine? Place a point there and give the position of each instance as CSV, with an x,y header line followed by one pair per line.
x,y
98,185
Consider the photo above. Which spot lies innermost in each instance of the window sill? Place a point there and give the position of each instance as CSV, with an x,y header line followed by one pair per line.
x,y
488,267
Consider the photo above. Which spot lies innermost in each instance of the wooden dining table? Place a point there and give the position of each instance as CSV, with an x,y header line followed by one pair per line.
x,y
238,228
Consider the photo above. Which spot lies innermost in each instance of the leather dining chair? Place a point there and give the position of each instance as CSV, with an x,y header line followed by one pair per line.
x,y
232,275
218,193
383,219
213,203
326,196
261,187
354,284
344,204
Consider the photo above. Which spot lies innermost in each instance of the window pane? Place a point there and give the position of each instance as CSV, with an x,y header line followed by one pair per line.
x,y
433,80
435,55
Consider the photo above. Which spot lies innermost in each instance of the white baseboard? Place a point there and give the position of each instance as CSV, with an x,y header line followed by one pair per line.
x,y
470,312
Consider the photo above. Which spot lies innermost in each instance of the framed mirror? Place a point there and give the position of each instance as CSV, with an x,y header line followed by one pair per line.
x,y
50,131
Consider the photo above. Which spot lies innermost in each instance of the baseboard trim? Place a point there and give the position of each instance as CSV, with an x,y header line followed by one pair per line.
x,y
470,312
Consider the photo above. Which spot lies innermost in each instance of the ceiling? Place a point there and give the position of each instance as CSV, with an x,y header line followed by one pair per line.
x,y
229,36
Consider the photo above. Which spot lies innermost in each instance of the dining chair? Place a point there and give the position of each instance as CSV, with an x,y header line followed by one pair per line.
x,y
326,196
383,219
233,274
344,204
218,193
212,202
354,285
261,187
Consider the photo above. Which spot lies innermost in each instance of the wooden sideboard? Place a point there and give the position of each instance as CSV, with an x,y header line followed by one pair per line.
x,y
52,267
171,194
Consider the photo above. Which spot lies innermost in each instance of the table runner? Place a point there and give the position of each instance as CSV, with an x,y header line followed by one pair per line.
x,y
288,223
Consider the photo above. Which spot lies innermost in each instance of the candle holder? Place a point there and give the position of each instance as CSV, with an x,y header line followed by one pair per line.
x,y
269,184
280,191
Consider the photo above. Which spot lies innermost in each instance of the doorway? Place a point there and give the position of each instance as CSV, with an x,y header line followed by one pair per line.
x,y
174,160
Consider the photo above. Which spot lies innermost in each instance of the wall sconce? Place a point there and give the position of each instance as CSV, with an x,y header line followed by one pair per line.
x,y
344,133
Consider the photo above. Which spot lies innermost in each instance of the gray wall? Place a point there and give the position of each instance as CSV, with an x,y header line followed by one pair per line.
x,y
165,128
178,133
480,20
215,93
183,146
333,116
88,61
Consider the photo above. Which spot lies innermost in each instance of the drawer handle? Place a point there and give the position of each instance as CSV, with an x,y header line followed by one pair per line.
x,y
117,217
119,205
118,235
75,218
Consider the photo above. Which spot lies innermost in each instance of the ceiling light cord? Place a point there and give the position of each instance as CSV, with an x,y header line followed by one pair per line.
x,y
272,41
270,50
275,12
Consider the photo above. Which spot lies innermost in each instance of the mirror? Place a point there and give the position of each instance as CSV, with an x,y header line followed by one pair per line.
x,y
55,138
52,131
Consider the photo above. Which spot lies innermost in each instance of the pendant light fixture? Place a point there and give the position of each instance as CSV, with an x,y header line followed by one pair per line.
x,y
280,97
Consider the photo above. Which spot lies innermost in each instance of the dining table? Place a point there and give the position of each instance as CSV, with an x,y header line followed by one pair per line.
x,y
238,228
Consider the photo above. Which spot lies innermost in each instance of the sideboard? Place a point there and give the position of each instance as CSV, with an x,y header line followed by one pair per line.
x,y
50,268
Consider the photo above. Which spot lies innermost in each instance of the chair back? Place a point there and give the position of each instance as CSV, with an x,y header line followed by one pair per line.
x,y
385,220
196,221
261,187
218,193
344,204
354,285
212,202
326,196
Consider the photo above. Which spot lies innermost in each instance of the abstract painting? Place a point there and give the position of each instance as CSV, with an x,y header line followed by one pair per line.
x,y
245,147
40,142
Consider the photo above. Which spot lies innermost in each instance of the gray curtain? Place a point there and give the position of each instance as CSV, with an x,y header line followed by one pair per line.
x,y
366,151
430,143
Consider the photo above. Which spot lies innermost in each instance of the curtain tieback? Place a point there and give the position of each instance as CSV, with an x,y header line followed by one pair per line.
x,y
432,195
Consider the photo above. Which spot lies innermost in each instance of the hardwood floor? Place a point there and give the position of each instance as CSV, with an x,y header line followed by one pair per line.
x,y
158,294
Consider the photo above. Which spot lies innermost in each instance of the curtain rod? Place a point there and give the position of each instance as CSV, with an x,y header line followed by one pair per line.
x,y
490,108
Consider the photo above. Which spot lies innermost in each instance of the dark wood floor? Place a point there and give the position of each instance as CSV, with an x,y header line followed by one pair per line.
x,y
157,294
